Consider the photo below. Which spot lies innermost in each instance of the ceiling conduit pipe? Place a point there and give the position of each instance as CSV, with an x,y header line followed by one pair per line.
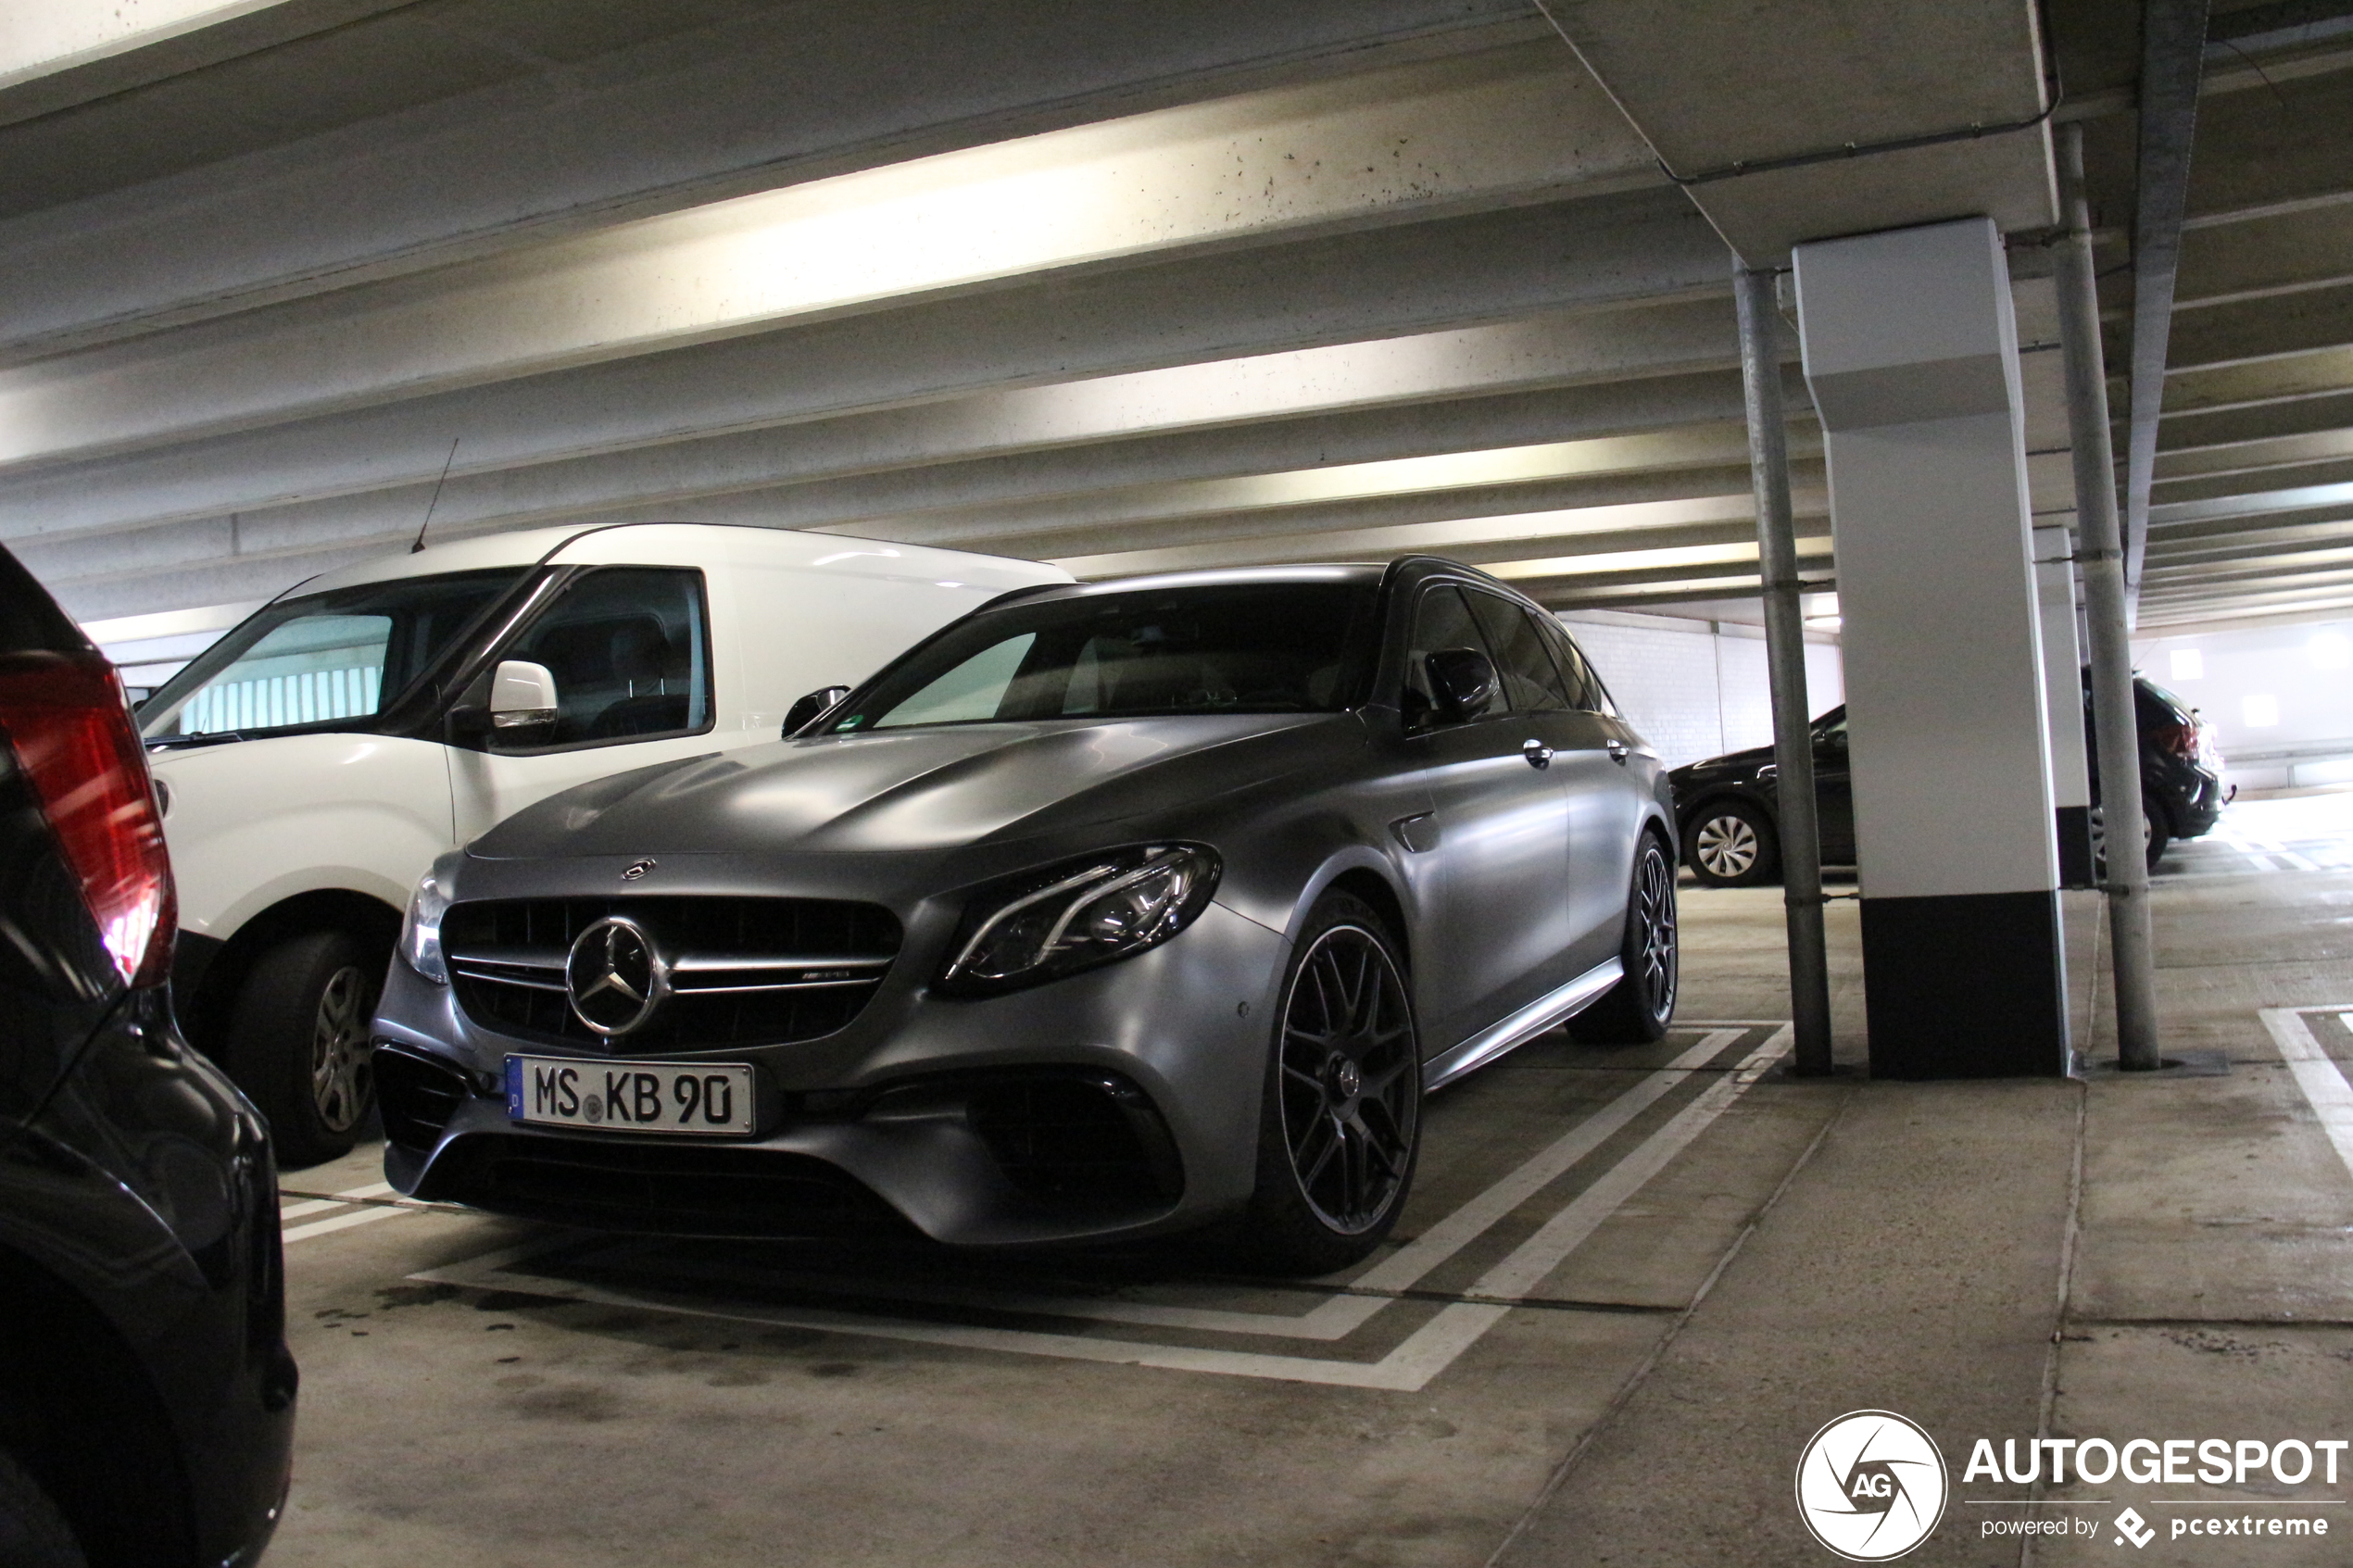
x,y
1809,989
2100,548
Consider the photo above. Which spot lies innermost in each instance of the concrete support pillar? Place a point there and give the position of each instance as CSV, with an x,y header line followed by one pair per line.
x,y
2063,699
1911,352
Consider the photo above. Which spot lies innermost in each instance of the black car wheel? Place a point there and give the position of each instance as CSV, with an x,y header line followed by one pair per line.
x,y
2156,836
299,1042
1341,1123
1733,845
1639,1007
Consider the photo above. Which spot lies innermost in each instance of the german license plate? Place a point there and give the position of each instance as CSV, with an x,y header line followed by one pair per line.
x,y
711,1098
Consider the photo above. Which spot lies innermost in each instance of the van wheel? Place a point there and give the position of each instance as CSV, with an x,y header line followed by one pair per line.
x,y
32,1532
2156,836
1341,1122
1638,1008
298,1042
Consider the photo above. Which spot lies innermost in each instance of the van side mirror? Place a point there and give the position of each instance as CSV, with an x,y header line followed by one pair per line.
x,y
522,694
814,706
1463,681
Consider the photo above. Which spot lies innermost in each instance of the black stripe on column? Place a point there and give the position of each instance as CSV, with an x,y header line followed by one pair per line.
x,y
1964,985
2075,847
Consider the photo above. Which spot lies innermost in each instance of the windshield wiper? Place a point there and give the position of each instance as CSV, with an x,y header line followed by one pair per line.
x,y
180,742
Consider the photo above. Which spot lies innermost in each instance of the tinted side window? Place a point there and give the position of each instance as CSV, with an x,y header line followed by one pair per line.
x,y
1440,620
1532,682
1585,688
631,654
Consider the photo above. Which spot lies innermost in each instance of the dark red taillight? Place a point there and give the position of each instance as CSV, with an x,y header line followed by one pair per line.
x,y
64,717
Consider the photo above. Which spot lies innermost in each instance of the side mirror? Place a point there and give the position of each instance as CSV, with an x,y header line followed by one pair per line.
x,y
522,694
1462,680
814,706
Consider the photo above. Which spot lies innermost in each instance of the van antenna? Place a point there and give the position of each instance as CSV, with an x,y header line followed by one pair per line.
x,y
436,495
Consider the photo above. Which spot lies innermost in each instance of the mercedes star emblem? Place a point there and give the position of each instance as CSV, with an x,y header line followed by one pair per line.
x,y
614,977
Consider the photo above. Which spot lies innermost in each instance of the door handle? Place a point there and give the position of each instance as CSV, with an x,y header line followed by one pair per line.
x,y
1538,755
1617,751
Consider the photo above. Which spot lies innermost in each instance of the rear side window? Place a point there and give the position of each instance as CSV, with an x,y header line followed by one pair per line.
x,y
630,650
1585,688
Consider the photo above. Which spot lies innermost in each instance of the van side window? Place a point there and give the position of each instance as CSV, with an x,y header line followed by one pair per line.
x,y
630,650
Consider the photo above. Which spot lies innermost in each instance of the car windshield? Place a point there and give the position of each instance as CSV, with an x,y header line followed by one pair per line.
x,y
321,660
1257,648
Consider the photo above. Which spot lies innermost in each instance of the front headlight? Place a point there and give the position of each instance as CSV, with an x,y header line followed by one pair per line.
x,y
421,930
1044,925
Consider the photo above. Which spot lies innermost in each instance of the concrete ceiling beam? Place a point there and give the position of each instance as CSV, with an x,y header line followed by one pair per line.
x,y
2172,55
2272,327
2297,478
2308,248
619,437
2262,459
1418,278
2217,432
780,95
2320,372
1789,124
1384,149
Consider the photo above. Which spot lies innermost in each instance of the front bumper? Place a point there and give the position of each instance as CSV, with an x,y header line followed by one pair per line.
x,y
1120,1102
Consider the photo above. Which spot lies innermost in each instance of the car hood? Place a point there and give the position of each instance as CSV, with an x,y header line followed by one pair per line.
x,y
923,788
1732,761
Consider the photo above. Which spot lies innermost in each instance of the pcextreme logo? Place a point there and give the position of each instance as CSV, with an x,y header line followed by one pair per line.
x,y
1871,1486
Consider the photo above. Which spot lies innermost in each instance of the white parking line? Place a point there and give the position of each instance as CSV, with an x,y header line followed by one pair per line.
x,y
1424,1353
344,1221
2322,1082
320,1205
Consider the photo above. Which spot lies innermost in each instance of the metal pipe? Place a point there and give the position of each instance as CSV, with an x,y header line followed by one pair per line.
x,y
2100,547
1809,984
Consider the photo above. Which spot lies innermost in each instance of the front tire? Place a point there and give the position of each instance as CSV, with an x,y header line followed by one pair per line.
x,y
1733,845
1339,1129
1639,1007
298,1042
2156,836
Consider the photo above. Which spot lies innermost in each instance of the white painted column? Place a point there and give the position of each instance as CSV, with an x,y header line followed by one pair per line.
x,y
1912,355
2063,701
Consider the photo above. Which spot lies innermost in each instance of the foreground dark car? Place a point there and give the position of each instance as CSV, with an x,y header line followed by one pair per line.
x,y
1109,910
146,1397
1729,811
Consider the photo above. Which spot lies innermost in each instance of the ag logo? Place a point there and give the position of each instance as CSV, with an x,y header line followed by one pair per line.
x,y
1870,1485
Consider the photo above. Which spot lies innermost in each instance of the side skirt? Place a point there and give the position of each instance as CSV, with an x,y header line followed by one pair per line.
x,y
1524,1025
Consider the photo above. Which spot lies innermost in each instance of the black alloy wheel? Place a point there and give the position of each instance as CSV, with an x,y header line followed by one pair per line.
x,y
1342,1126
1640,1007
299,1044
1733,845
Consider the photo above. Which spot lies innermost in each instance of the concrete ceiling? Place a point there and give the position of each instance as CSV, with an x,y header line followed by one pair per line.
x,y
1170,282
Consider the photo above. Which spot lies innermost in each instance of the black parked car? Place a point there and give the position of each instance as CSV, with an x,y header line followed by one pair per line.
x,y
146,1396
1727,805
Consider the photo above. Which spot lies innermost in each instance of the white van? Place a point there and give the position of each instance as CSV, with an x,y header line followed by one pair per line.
x,y
315,760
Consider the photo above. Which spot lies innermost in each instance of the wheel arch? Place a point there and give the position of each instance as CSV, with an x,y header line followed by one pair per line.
x,y
204,1015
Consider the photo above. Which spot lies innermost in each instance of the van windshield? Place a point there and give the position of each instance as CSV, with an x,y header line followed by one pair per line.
x,y
321,662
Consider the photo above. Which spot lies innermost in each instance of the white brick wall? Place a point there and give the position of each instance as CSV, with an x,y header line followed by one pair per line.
x,y
1696,692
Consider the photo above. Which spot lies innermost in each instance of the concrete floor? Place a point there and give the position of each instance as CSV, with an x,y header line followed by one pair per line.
x,y
1631,1283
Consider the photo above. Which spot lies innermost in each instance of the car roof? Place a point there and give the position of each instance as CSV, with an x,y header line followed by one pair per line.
x,y
740,541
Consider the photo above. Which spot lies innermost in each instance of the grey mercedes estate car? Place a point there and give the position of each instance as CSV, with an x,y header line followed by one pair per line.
x,y
1109,911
